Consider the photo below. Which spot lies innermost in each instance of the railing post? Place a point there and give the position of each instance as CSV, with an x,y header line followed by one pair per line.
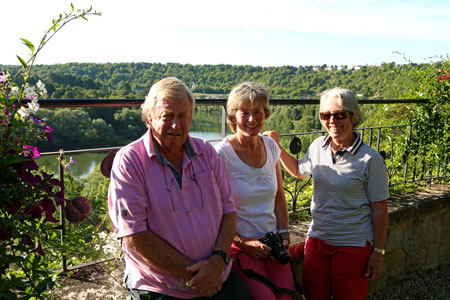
x,y
224,121
406,156
378,140
62,212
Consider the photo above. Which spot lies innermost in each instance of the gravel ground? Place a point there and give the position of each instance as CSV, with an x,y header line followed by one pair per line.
x,y
98,283
426,285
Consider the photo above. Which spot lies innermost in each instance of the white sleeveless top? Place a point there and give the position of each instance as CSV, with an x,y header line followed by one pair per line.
x,y
253,189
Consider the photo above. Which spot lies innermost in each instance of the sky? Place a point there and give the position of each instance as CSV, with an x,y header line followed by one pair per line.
x,y
237,32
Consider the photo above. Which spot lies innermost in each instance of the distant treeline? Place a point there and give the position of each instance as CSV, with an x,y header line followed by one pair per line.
x,y
133,80
102,127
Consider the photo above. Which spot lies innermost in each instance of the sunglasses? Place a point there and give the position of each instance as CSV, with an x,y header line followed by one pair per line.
x,y
342,115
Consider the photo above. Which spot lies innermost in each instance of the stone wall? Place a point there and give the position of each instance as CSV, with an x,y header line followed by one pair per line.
x,y
418,239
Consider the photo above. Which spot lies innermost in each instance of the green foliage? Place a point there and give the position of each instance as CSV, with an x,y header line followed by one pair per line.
x,y
429,142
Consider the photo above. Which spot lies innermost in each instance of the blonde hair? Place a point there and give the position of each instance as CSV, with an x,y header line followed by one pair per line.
x,y
170,87
252,92
346,99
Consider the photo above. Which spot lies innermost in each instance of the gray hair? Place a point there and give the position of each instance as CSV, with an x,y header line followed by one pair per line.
x,y
170,87
346,99
252,92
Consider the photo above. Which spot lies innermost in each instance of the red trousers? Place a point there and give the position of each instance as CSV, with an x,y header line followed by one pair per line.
x,y
335,271
279,274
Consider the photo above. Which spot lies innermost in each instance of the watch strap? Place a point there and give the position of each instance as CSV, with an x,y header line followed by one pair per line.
x,y
225,256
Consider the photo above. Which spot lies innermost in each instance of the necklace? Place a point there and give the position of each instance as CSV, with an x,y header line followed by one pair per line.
x,y
244,155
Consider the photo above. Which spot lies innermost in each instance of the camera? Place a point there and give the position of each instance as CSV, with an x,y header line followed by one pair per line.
x,y
275,241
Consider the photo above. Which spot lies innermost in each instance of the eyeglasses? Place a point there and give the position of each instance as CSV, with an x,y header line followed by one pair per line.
x,y
341,115
169,189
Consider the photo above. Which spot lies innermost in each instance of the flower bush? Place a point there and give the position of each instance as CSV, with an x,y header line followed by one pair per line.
x,y
29,196
429,145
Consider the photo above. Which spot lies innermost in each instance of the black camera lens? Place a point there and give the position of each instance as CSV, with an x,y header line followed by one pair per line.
x,y
278,252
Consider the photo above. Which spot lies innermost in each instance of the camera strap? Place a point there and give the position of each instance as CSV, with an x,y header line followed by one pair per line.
x,y
298,292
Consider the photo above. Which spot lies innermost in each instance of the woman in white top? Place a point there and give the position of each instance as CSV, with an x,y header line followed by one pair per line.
x,y
253,167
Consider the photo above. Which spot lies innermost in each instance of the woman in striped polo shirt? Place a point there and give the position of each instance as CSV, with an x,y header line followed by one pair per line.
x,y
345,244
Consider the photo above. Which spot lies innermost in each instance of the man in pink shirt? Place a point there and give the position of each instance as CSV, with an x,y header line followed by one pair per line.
x,y
170,203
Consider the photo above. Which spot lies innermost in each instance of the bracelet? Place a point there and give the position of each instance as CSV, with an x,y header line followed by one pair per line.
x,y
283,231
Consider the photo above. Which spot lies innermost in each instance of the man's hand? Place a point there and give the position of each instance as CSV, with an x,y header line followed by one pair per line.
x,y
207,280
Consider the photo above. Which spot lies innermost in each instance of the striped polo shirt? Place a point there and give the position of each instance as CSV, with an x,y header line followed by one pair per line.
x,y
344,185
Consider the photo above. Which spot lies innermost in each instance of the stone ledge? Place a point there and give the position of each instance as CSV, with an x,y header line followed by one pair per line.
x,y
407,206
400,208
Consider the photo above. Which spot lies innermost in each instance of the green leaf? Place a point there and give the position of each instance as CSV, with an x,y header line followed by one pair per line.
x,y
71,5
24,64
17,159
28,44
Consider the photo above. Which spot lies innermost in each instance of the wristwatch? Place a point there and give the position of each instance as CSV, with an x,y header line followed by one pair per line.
x,y
379,250
225,256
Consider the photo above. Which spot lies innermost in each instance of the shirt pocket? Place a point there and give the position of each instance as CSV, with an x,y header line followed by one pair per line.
x,y
210,192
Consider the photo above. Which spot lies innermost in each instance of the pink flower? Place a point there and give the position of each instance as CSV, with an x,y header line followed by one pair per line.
x,y
48,132
31,150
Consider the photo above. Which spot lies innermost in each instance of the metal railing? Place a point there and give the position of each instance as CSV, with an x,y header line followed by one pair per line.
x,y
375,137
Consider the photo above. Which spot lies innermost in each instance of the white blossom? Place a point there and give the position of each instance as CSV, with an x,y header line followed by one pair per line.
x,y
24,111
109,245
41,86
34,105
14,91
30,92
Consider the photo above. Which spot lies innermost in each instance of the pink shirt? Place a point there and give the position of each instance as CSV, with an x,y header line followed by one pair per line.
x,y
187,218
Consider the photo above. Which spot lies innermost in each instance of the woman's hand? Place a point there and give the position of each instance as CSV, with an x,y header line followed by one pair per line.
x,y
272,134
286,239
254,248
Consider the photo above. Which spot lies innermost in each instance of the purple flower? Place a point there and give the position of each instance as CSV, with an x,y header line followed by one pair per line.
x,y
5,234
49,218
48,132
36,211
31,165
72,161
31,150
36,120
56,182
28,241
14,206
47,205
45,175
59,197
26,176
39,249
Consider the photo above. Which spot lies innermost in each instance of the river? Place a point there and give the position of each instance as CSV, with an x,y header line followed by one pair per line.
x,y
87,162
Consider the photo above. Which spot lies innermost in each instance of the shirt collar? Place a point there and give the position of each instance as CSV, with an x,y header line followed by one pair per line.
x,y
352,149
153,149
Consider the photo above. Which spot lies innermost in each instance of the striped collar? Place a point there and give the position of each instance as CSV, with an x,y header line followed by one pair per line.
x,y
352,149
